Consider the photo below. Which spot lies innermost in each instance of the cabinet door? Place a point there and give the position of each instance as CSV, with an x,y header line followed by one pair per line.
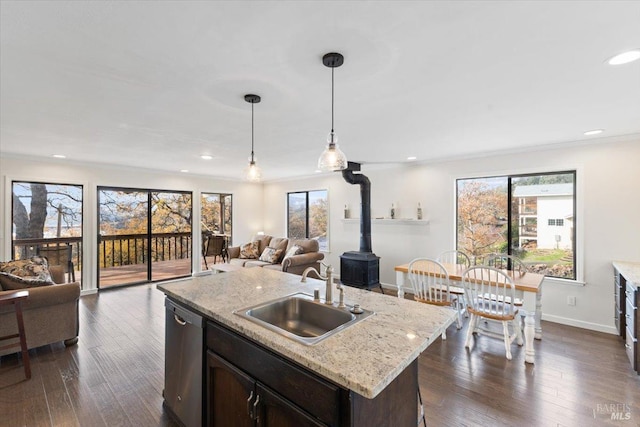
x,y
230,394
275,411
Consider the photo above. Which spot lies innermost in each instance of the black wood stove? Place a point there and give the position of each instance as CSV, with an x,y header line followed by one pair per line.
x,y
361,269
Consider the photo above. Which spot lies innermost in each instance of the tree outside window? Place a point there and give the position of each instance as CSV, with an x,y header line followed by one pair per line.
x,y
307,213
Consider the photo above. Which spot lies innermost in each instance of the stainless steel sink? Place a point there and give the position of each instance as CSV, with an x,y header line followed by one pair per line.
x,y
298,317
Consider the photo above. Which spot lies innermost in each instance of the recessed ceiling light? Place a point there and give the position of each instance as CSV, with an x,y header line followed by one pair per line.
x,y
184,170
625,57
318,171
206,157
411,158
59,156
593,132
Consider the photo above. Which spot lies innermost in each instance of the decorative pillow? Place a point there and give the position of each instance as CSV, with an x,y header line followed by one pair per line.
x,y
294,250
270,255
34,268
250,250
9,282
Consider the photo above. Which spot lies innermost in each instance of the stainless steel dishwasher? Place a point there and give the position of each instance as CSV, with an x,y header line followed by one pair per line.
x,y
184,336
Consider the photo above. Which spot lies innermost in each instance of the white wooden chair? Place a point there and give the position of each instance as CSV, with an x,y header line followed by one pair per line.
x,y
486,290
506,262
430,282
457,258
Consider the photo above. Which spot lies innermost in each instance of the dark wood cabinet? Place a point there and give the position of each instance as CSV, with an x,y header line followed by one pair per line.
x,y
620,306
236,399
229,394
627,318
275,411
632,321
249,385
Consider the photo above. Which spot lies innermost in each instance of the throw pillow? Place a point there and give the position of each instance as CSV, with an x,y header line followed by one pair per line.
x,y
9,282
36,268
270,255
250,250
293,250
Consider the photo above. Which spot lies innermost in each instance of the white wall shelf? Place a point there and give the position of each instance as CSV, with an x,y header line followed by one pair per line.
x,y
389,221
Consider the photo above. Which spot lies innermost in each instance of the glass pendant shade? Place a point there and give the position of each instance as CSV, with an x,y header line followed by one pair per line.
x,y
332,158
252,172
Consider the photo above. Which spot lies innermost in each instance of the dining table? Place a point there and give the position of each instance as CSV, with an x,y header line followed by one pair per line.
x,y
528,288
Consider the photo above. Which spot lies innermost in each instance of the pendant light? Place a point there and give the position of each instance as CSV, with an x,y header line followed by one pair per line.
x,y
332,159
252,172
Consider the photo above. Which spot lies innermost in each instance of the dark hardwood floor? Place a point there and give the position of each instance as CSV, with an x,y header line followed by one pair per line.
x,y
114,376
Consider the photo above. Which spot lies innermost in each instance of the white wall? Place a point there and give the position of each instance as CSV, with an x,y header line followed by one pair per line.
x,y
247,198
607,218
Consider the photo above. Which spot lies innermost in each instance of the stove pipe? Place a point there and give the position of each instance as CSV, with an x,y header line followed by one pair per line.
x,y
365,204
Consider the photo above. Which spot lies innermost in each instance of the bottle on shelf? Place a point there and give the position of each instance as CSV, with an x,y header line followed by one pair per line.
x,y
393,212
346,212
419,213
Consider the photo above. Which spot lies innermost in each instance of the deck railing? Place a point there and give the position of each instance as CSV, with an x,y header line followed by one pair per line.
x,y
25,248
130,249
115,250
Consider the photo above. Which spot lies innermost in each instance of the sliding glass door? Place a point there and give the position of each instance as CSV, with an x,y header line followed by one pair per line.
x,y
145,235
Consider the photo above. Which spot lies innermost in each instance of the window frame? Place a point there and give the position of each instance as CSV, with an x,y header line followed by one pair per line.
x,y
578,232
9,212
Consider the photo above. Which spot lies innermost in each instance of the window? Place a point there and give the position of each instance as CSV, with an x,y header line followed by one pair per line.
x,y
47,220
500,214
215,214
307,213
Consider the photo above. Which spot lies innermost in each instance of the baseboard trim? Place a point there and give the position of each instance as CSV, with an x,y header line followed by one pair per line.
x,y
579,324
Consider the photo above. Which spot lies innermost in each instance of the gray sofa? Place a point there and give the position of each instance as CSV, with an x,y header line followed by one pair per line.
x,y
296,264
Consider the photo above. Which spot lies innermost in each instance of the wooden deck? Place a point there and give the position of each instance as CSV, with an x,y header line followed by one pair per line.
x,y
137,273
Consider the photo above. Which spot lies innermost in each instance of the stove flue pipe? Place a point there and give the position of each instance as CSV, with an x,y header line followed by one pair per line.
x,y
365,203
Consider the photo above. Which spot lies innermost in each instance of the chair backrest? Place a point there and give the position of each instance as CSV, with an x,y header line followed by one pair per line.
x,y
56,254
506,262
430,281
215,245
486,290
455,257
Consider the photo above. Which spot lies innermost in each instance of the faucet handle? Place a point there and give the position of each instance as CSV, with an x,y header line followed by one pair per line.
x,y
327,267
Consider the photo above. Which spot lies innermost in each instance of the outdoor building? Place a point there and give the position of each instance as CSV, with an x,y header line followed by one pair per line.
x,y
545,215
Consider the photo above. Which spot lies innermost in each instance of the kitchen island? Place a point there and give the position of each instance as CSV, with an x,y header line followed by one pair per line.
x,y
365,373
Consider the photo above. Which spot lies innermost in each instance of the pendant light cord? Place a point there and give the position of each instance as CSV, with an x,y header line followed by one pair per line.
x,y
332,84
252,132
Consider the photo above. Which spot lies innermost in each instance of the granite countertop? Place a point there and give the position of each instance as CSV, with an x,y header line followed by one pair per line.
x,y
630,271
364,358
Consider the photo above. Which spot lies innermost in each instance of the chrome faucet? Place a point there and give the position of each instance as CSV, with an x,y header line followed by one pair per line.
x,y
341,289
328,298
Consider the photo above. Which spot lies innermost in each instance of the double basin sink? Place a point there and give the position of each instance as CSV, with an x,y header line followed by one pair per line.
x,y
302,319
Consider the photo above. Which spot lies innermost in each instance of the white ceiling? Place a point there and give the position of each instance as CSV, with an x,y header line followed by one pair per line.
x,y
157,84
